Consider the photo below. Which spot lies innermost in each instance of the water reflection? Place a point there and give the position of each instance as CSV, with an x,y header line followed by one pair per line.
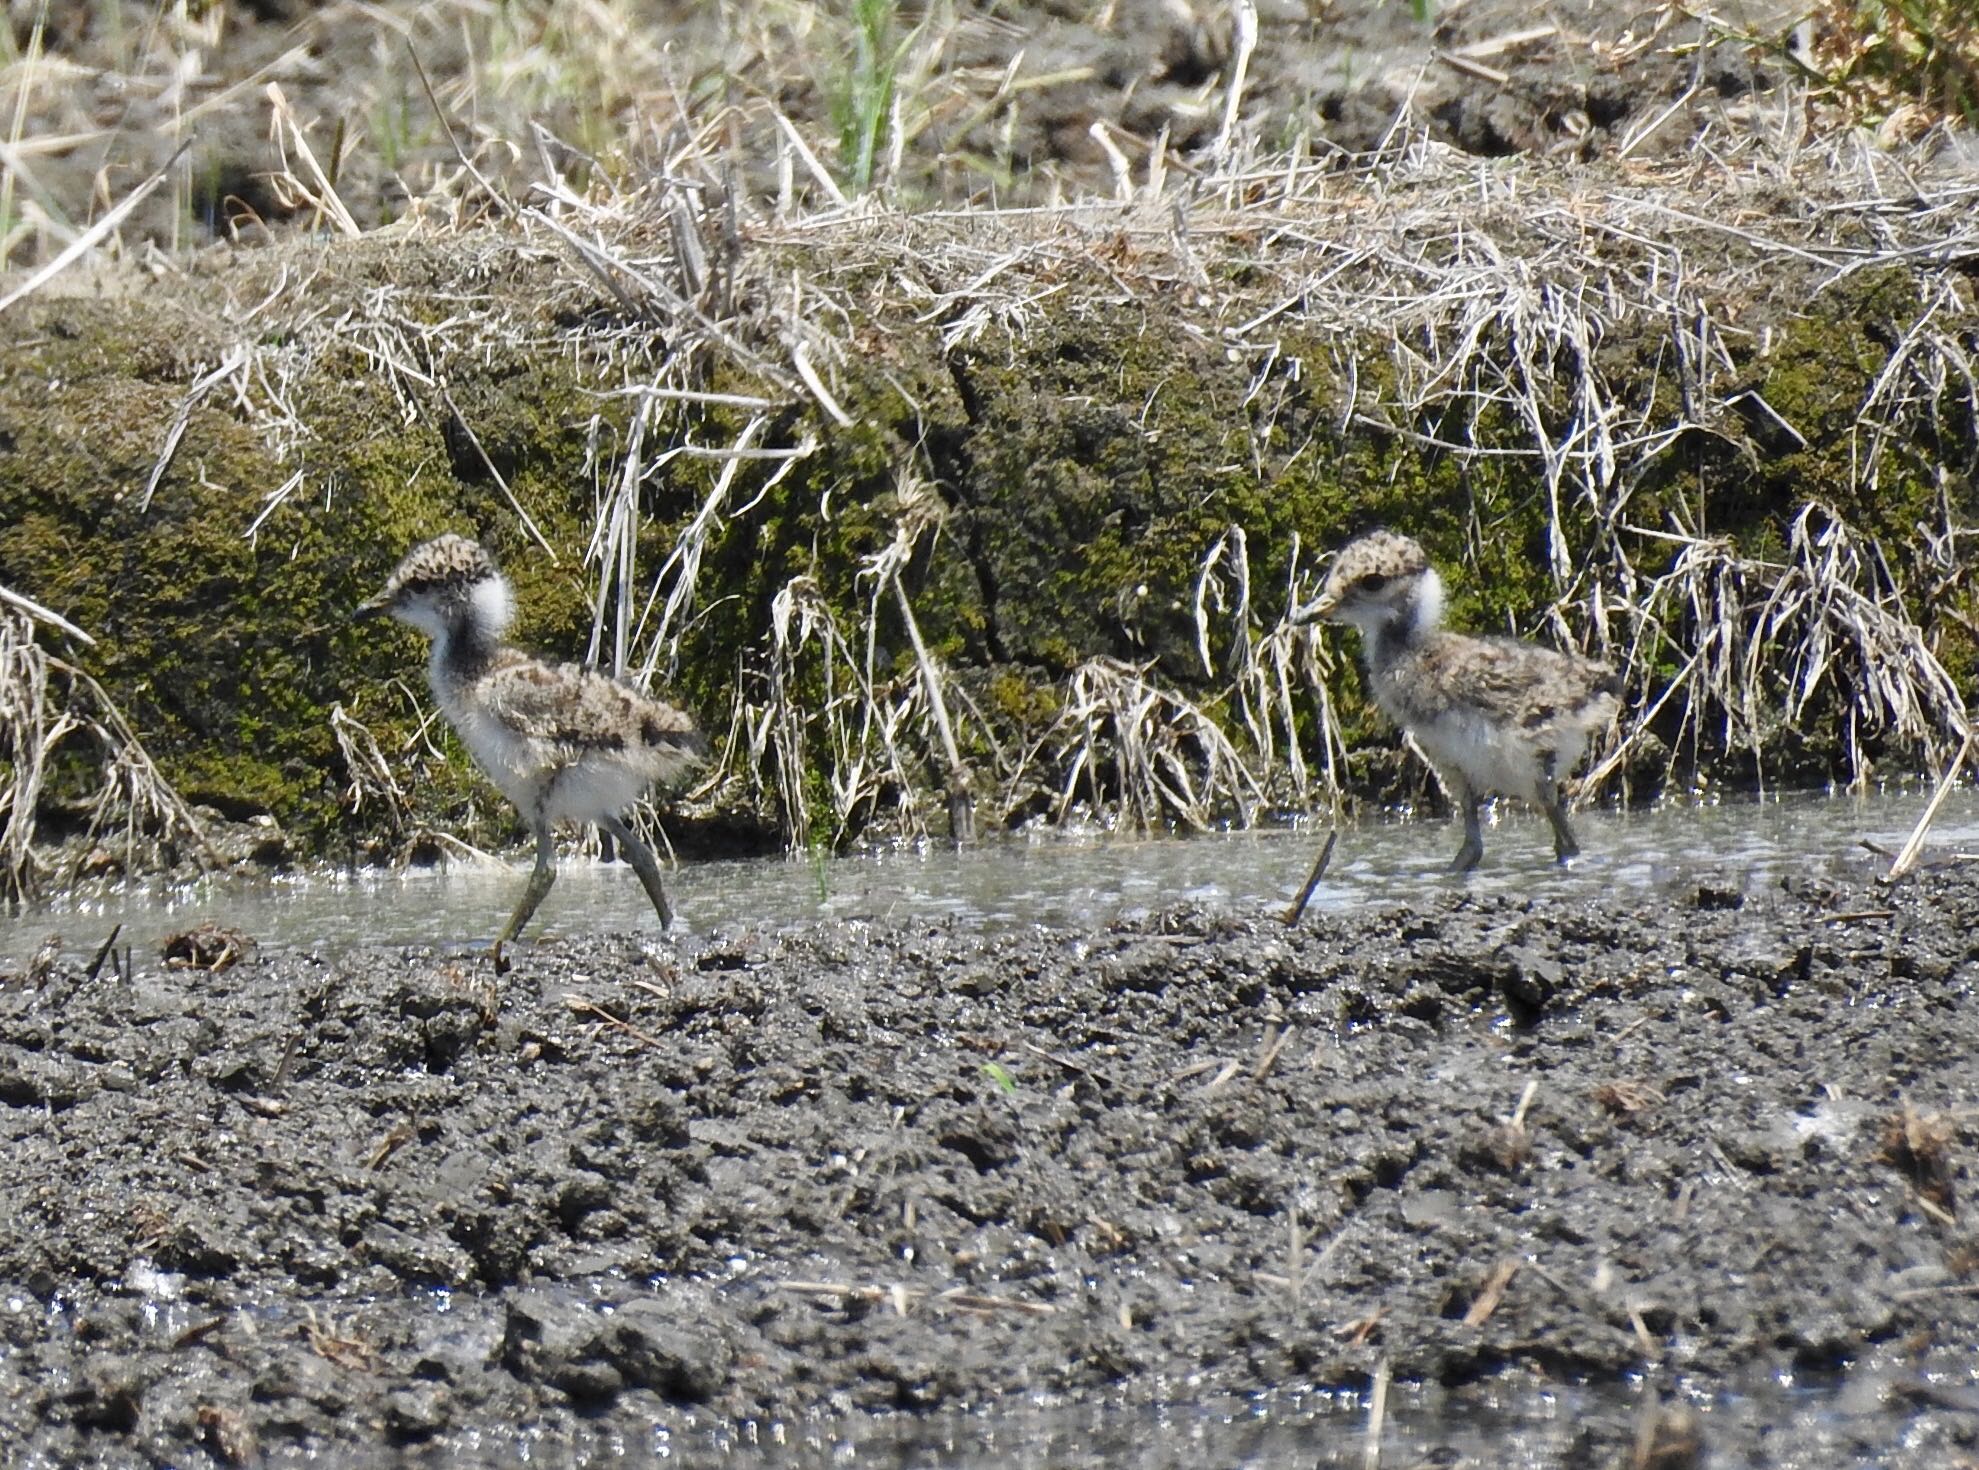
x,y
1053,878
1497,1426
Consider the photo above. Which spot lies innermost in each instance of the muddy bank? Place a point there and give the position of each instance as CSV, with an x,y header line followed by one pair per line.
x,y
1624,323
1027,102
366,1201
1073,500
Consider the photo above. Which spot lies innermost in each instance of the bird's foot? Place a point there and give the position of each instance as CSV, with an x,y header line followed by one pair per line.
x,y
1468,857
498,955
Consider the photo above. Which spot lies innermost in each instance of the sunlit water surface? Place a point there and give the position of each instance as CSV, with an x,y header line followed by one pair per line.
x,y
1050,879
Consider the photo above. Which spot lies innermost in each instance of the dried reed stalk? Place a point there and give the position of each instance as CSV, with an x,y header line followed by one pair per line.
x,y
49,707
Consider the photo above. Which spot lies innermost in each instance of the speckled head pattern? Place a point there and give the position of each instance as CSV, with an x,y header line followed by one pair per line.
x,y
1374,579
441,580
445,566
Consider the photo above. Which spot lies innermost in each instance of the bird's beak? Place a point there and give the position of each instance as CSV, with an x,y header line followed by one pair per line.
x,y
370,608
1319,610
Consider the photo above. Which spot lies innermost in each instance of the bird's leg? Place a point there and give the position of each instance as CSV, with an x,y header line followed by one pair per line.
x,y
540,879
1472,852
641,858
1564,846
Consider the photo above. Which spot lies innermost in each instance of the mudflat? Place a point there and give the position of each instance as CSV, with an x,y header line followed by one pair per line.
x,y
359,1203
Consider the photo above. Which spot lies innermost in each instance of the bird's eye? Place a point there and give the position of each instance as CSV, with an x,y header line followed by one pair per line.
x,y
1374,581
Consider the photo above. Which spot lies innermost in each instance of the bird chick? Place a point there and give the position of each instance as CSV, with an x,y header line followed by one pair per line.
x,y
1492,714
560,740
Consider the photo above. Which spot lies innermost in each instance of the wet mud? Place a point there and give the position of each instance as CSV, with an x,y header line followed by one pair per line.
x,y
376,1204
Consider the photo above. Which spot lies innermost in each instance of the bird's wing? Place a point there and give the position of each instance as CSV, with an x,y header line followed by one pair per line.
x,y
580,710
1524,683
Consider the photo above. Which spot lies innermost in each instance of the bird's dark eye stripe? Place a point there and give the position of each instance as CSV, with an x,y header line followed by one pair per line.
x,y
1373,581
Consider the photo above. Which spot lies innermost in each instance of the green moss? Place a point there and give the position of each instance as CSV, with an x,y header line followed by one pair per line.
x,y
1023,700
227,651
1083,471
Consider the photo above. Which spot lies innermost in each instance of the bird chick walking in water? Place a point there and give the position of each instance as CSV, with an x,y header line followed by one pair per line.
x,y
560,740
1492,714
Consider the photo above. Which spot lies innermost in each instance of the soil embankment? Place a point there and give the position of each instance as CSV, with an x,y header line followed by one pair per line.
x,y
1651,364
366,1200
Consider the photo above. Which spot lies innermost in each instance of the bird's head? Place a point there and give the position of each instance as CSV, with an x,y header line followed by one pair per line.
x,y
444,584
1377,581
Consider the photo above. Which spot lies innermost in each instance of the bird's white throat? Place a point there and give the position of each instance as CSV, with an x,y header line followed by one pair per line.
x,y
1391,624
491,608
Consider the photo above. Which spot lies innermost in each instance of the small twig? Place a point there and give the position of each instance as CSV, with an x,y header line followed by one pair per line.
x,y
1642,1333
1068,1063
585,1007
1494,1292
1242,43
454,142
1928,1293
1508,41
1932,1208
975,1302
1637,138
801,360
88,239
198,1332
478,855
35,610
961,804
103,952
1268,1053
1298,908
234,361
1470,66
1123,173
1377,1415
811,164
1295,1249
901,1296
594,260
500,480
397,1138
1907,859
1230,1069
1517,1120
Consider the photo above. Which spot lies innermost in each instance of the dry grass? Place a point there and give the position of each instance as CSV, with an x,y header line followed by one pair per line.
x,y
1762,646
56,722
363,110
1493,296
1467,307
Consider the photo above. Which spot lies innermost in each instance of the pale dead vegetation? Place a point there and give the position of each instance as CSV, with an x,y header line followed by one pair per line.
x,y
56,721
1460,303
1464,308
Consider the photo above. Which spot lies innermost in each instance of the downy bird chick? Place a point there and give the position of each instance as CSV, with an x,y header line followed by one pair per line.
x,y
1492,714
560,740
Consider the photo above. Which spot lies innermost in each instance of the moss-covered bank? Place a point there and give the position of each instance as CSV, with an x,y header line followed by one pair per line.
x,y
1042,465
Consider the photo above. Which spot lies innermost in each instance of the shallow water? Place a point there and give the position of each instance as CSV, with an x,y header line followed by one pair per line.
x,y
1051,879
1827,1426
